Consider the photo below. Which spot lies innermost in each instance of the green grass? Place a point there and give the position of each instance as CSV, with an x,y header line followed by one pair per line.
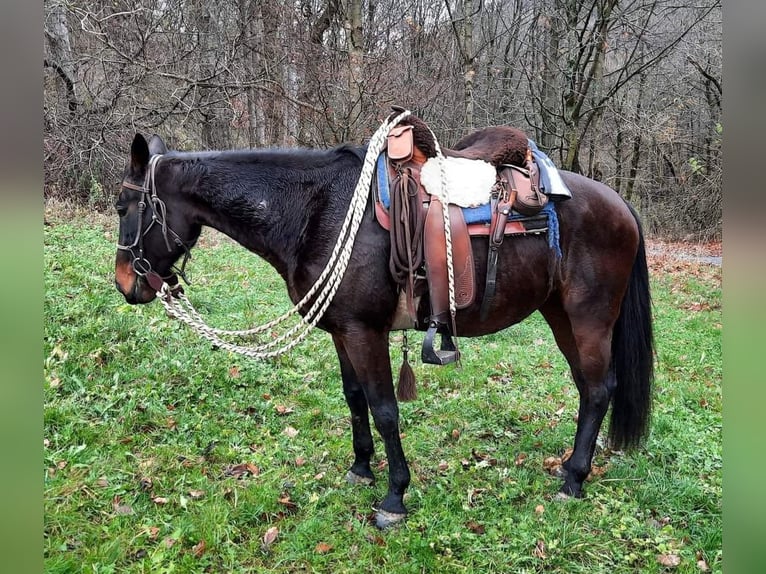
x,y
144,422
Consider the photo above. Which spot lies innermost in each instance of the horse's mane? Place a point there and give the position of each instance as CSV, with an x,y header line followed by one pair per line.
x,y
288,158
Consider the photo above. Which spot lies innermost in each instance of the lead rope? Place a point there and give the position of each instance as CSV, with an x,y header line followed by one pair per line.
x,y
178,305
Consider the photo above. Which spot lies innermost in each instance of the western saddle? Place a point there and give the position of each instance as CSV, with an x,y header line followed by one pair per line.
x,y
414,218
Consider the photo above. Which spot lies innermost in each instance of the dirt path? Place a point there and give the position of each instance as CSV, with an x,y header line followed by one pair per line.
x,y
705,253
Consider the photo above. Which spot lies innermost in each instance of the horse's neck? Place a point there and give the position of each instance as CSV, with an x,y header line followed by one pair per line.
x,y
266,220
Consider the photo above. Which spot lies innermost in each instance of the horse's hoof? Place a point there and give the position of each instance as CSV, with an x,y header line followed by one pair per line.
x,y
384,519
354,478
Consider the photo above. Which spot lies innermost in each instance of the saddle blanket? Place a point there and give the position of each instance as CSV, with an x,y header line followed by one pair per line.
x,y
469,182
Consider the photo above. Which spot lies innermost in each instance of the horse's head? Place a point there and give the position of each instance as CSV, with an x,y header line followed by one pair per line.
x,y
155,229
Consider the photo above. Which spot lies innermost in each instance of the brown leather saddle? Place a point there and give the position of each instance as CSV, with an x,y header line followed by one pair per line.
x,y
415,222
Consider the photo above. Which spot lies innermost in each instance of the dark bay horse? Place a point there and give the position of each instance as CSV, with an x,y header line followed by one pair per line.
x,y
287,206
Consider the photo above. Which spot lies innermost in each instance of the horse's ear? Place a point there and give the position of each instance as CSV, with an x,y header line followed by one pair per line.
x,y
139,153
157,146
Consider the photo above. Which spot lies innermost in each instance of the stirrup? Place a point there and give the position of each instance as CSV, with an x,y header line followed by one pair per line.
x,y
447,352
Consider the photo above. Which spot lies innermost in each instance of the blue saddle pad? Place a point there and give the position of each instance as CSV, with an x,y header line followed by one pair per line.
x,y
550,183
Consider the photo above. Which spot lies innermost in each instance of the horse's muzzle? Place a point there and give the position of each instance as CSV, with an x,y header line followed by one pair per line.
x,y
133,287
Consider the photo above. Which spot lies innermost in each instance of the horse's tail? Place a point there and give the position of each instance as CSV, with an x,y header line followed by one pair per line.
x,y
633,357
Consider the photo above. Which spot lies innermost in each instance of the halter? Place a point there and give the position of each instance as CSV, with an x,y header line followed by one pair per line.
x,y
141,265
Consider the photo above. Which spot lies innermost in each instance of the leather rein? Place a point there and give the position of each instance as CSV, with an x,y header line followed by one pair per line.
x,y
141,265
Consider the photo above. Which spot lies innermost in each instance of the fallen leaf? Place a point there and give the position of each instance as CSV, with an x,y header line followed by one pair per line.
x,y
283,410
455,434
291,432
539,509
234,372
551,462
270,537
475,527
266,396
702,565
102,482
539,550
520,459
377,539
285,500
46,443
319,476
152,532
443,465
119,508
196,493
199,548
159,500
169,542
322,548
240,470
145,483
669,560
300,461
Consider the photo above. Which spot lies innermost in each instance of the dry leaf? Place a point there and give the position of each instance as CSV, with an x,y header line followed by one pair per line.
x,y
152,532
169,542
300,461
119,508
270,537
443,465
539,550
669,560
159,500
239,470
322,548
475,527
520,459
196,493
199,548
539,509
291,432
234,372
283,410
455,434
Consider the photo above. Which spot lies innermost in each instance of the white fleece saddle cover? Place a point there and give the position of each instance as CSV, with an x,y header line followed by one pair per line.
x,y
469,181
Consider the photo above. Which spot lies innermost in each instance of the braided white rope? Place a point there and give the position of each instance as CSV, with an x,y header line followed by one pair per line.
x,y
329,280
444,198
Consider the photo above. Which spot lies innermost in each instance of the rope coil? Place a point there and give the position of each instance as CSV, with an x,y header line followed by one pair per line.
x,y
327,284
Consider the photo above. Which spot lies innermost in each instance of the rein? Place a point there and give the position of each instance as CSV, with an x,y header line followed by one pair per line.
x,y
178,305
141,265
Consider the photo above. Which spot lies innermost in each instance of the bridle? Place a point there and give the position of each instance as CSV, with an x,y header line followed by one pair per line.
x,y
141,265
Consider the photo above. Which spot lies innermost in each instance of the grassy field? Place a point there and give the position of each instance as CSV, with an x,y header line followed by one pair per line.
x,y
164,455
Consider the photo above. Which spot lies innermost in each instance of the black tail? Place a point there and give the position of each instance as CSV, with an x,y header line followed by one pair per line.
x,y
633,357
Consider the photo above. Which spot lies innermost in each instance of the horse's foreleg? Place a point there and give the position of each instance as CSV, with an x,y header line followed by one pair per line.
x,y
367,351
586,344
360,472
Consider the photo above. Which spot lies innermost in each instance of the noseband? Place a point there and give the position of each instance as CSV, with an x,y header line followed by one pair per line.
x,y
141,265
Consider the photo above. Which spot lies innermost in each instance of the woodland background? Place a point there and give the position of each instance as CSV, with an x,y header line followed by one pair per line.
x,y
625,91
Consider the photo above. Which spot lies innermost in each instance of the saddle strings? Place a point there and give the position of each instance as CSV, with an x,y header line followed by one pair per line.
x,y
178,305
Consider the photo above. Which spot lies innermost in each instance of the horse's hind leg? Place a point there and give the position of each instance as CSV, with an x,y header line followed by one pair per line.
x,y
367,353
585,341
360,472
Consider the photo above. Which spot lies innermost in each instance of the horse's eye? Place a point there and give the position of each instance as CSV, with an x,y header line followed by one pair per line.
x,y
121,209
